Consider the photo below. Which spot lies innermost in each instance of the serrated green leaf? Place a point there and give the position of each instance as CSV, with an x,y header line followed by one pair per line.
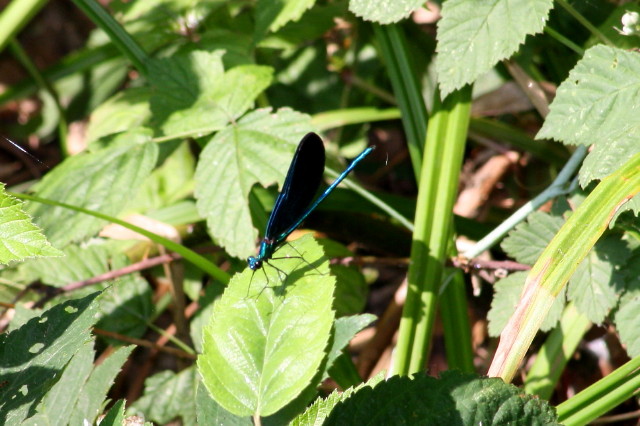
x,y
527,241
81,390
269,331
626,320
57,405
104,180
126,307
167,184
257,149
115,416
351,290
19,237
210,413
194,96
80,263
93,394
272,15
167,396
596,283
126,110
597,104
507,292
474,36
454,398
318,412
384,11
33,356
345,329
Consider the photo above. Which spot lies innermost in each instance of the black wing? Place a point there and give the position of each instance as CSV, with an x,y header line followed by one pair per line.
x,y
300,186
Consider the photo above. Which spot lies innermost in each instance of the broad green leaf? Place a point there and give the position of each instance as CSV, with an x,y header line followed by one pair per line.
x,y
598,104
81,391
384,11
318,412
19,237
201,318
33,356
104,180
345,329
194,96
454,398
597,282
507,293
474,36
126,307
81,262
167,184
626,320
527,241
93,394
168,396
57,405
351,287
272,15
210,413
258,149
269,331
126,110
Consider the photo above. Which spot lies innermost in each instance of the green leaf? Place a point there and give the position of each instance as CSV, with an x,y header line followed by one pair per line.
x,y
104,180
126,110
474,36
167,184
598,104
272,15
203,314
194,96
269,331
507,293
527,241
384,11
210,413
345,329
81,391
126,307
454,398
168,395
626,320
80,263
93,394
596,283
115,416
318,412
258,149
33,356
19,237
58,403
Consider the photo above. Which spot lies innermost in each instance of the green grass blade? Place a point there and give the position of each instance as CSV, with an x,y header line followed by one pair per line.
x,y
118,35
559,260
15,16
394,51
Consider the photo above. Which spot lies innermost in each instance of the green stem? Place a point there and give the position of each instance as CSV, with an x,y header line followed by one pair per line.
x,y
444,151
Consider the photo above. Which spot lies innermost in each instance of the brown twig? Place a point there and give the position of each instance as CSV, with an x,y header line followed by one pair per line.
x,y
139,342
